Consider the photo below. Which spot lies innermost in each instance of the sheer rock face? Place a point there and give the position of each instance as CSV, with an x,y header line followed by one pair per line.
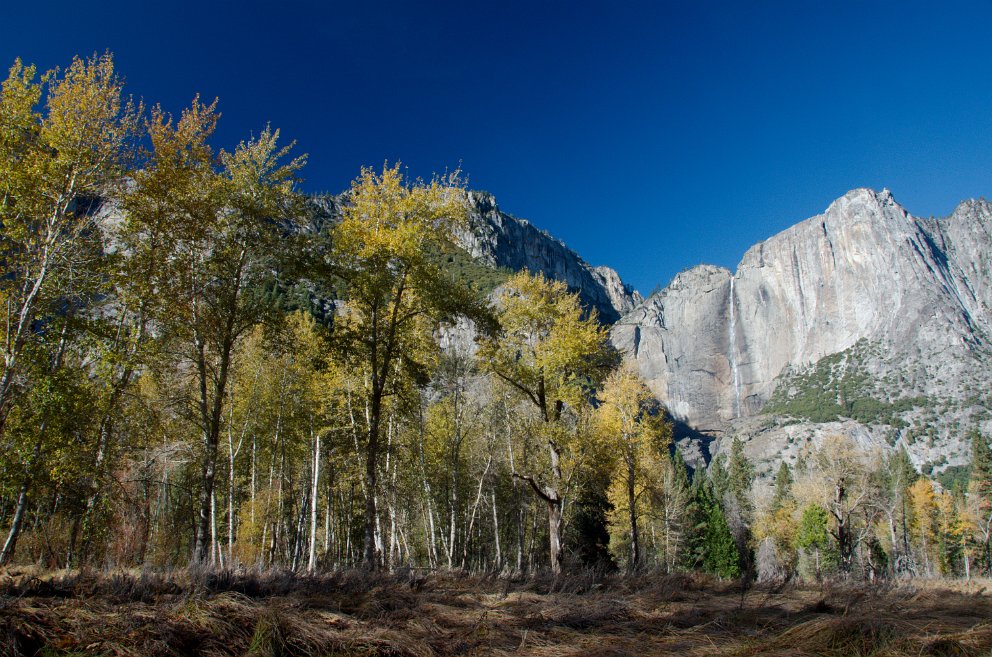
x,y
500,240
678,338
713,345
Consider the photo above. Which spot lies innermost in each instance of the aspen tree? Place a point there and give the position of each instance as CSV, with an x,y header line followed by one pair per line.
x,y
54,160
632,420
396,297
550,351
219,223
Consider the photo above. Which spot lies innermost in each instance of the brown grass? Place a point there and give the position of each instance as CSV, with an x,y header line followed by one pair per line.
x,y
263,614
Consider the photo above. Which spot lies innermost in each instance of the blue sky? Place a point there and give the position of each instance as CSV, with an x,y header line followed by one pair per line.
x,y
648,136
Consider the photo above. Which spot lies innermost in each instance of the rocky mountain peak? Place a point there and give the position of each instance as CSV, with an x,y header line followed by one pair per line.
x,y
502,240
483,202
911,296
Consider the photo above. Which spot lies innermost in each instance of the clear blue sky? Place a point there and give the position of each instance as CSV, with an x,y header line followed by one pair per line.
x,y
649,137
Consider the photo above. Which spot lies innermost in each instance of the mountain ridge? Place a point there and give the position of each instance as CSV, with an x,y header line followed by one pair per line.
x,y
714,344
500,240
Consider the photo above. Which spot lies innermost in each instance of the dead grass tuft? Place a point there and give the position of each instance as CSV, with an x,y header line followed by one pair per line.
x,y
248,612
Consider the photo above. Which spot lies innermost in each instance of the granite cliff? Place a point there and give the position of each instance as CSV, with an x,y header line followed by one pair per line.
x,y
864,318
501,240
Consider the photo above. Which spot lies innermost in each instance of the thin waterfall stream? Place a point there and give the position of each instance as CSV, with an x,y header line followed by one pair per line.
x,y
732,350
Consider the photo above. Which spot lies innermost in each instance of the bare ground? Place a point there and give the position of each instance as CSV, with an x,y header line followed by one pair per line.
x,y
355,613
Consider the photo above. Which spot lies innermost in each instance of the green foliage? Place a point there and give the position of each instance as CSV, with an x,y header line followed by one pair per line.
x,y
161,397
722,557
899,469
955,478
838,386
465,271
814,528
719,477
64,139
633,426
588,537
711,546
548,348
783,486
981,466
740,476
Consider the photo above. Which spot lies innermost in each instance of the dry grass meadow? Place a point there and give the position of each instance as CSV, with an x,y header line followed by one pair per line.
x,y
355,613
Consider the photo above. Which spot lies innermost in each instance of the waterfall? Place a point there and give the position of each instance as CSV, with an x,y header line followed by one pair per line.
x,y
732,350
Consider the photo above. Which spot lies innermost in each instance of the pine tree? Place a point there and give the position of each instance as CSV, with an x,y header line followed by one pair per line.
x,y
949,530
980,497
719,477
721,554
740,476
813,534
981,466
783,486
711,546
672,501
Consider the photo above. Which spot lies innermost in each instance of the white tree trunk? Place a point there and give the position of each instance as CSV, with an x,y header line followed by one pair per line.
x,y
312,562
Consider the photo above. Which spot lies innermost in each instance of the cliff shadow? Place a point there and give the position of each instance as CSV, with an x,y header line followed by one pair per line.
x,y
695,444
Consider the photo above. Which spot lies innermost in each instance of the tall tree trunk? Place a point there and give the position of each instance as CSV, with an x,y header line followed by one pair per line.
x,y
475,509
7,552
312,561
208,475
25,318
215,554
118,387
516,496
9,545
632,507
211,409
232,454
329,535
15,528
369,556
498,563
554,534
254,457
555,509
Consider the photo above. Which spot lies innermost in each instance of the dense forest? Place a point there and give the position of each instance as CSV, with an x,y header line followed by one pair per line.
x,y
196,369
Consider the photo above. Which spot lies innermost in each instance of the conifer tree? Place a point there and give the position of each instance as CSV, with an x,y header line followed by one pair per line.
x,y
719,477
813,534
671,502
783,486
711,546
740,476
721,554
949,531
980,494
